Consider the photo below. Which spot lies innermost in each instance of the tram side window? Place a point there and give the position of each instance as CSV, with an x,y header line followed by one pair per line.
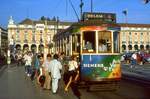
x,y
104,42
76,43
88,41
116,42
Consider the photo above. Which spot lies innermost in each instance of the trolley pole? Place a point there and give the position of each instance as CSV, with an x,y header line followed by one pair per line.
x,y
81,9
91,6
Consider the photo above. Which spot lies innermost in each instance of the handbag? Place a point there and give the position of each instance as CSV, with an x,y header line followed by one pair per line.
x,y
42,80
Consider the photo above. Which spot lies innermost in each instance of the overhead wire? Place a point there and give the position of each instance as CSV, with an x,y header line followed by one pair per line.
x,y
74,9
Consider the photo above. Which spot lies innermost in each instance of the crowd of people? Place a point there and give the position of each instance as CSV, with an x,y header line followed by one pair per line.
x,y
48,72
3,59
136,58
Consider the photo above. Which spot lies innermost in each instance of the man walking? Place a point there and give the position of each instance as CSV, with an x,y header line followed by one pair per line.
x,y
55,69
133,59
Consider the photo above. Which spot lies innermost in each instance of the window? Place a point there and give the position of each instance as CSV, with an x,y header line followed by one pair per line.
x,y
33,36
88,43
104,42
17,36
116,42
124,36
25,37
141,38
135,37
76,43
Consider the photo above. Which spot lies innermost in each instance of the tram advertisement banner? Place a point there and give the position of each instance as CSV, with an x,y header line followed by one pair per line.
x,y
99,67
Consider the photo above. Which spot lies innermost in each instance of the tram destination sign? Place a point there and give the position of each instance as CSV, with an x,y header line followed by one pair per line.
x,y
104,17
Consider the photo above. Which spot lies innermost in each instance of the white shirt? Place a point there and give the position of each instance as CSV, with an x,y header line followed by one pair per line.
x,y
28,60
102,48
55,67
134,56
72,65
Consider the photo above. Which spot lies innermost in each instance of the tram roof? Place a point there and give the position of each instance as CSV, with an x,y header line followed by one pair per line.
x,y
89,23
85,23
93,23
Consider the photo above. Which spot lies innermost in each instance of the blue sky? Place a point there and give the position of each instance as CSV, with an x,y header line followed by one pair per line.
x,y
138,12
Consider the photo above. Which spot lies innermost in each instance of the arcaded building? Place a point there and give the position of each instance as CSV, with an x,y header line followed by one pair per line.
x,y
35,36
134,37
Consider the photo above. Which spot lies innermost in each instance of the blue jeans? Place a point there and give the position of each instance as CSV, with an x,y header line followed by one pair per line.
x,y
29,70
133,62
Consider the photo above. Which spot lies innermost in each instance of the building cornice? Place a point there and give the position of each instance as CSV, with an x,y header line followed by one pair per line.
x,y
134,25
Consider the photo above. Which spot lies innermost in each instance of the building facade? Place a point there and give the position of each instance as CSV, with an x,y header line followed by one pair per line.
x,y
35,36
134,37
3,40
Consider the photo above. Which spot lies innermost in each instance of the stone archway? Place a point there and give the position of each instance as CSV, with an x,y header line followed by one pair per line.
x,y
25,47
123,47
136,47
142,47
18,47
147,47
130,47
41,48
33,48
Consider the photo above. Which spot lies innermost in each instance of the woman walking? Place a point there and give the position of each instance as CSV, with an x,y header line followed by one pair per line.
x,y
46,66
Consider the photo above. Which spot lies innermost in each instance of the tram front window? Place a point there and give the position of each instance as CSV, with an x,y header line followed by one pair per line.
x,y
88,41
104,42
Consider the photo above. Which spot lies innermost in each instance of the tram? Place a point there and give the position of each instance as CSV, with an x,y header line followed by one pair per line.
x,y
96,43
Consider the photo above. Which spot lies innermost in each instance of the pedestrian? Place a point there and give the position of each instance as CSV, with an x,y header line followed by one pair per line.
x,y
55,69
133,59
71,77
19,58
40,77
25,63
35,66
63,62
46,73
28,61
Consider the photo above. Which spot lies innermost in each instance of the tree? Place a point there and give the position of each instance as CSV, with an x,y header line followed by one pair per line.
x,y
54,18
48,19
43,18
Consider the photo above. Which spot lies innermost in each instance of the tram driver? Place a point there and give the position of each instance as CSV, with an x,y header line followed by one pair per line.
x,y
88,46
